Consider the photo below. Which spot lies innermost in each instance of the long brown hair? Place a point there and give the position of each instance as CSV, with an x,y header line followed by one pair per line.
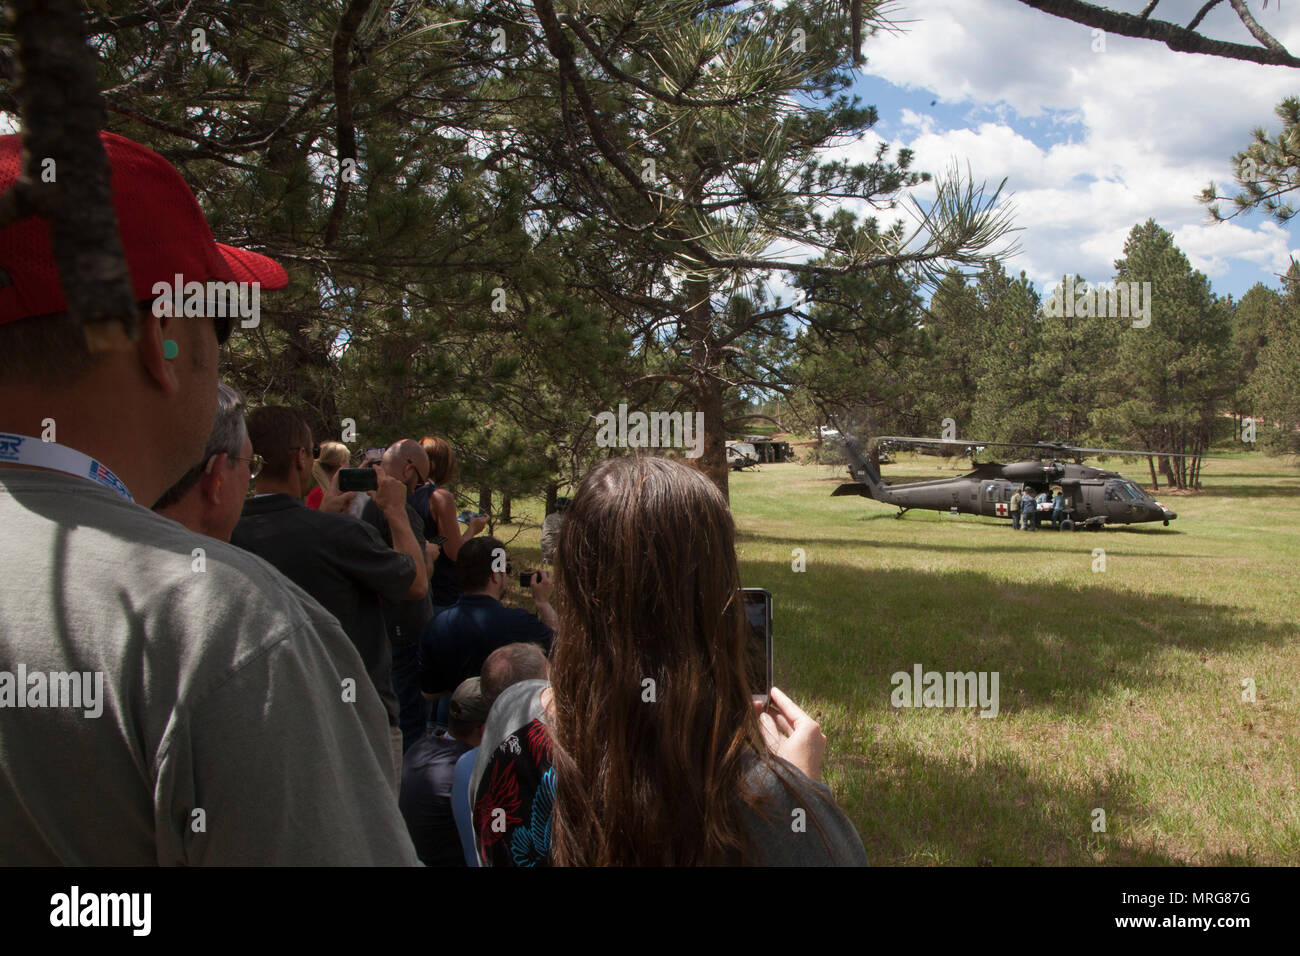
x,y
647,591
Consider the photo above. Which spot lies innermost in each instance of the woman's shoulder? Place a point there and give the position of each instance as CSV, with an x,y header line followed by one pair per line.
x,y
795,821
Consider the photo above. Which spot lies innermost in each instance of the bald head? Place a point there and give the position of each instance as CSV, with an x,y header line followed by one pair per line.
x,y
509,665
407,461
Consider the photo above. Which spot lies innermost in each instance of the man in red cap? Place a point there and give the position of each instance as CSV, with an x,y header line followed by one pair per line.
x,y
164,697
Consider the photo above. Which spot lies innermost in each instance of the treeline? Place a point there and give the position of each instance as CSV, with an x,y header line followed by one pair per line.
x,y
1148,357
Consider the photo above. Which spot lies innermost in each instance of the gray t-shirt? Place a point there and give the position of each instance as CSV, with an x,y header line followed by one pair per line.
x,y
237,723
799,824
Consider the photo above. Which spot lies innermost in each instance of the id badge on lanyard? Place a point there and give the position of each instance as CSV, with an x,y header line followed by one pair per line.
x,y
25,450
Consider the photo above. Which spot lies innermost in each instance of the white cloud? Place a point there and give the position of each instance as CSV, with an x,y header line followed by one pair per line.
x,y
1091,143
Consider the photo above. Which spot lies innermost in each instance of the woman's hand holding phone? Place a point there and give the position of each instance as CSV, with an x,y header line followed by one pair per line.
x,y
335,501
792,735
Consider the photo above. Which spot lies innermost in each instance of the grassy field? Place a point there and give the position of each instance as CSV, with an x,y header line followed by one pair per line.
x,y
1120,689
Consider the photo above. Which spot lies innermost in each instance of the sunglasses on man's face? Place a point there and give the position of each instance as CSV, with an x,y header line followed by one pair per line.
x,y
414,468
221,325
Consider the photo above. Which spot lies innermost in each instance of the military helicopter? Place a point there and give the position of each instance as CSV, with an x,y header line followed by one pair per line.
x,y
1094,497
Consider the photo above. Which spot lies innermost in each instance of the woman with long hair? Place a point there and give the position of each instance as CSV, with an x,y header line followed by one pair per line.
x,y
647,748
333,456
437,506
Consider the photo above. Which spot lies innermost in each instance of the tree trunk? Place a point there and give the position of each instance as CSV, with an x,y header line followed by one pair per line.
x,y
709,387
1151,463
61,114
485,501
552,493
505,508
714,460
1167,469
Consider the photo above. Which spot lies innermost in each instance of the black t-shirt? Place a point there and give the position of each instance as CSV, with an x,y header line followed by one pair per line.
x,y
455,644
428,772
405,619
444,586
342,563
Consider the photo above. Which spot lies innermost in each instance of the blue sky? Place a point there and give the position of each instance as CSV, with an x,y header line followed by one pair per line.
x,y
1093,138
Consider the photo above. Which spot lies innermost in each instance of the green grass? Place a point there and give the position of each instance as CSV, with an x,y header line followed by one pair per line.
x,y
1119,689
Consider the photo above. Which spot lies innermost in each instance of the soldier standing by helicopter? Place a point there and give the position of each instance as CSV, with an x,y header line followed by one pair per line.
x,y
1015,510
1028,510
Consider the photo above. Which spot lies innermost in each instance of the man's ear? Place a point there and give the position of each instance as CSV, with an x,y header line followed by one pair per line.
x,y
210,484
153,331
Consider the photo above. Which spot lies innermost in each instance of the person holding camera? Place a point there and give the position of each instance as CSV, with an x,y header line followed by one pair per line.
x,y
405,460
342,562
647,748
455,644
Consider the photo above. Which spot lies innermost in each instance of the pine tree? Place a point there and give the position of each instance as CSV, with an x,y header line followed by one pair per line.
x,y
1170,381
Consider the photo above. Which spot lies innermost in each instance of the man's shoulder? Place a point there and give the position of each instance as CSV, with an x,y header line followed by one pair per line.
x,y
148,595
507,615
322,529
118,548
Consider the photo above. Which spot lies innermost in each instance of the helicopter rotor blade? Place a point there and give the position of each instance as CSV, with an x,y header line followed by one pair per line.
x,y
1050,447
1120,451
953,441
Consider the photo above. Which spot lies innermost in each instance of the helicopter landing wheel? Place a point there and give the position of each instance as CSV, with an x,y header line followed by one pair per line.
x,y
1068,525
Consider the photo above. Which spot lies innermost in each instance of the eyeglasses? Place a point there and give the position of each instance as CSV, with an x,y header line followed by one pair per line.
x,y
422,478
222,325
254,464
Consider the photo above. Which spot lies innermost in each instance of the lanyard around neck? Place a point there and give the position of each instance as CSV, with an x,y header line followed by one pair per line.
x,y
25,450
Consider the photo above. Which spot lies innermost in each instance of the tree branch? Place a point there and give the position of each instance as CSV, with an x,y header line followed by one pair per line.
x,y
599,56
1176,37
1258,32
1200,14
169,50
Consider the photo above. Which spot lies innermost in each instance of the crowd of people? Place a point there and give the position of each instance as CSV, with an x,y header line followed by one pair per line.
x,y
294,673
1027,508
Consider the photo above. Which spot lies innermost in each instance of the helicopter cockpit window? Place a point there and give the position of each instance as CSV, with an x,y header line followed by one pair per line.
x,y
1134,491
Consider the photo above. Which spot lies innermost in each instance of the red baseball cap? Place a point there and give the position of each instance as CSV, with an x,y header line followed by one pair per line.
x,y
163,231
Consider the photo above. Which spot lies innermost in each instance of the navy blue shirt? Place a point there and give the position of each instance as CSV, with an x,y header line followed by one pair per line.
x,y
428,772
455,644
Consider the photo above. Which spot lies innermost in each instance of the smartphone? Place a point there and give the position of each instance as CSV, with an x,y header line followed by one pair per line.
x,y
438,539
358,479
526,578
466,515
758,656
